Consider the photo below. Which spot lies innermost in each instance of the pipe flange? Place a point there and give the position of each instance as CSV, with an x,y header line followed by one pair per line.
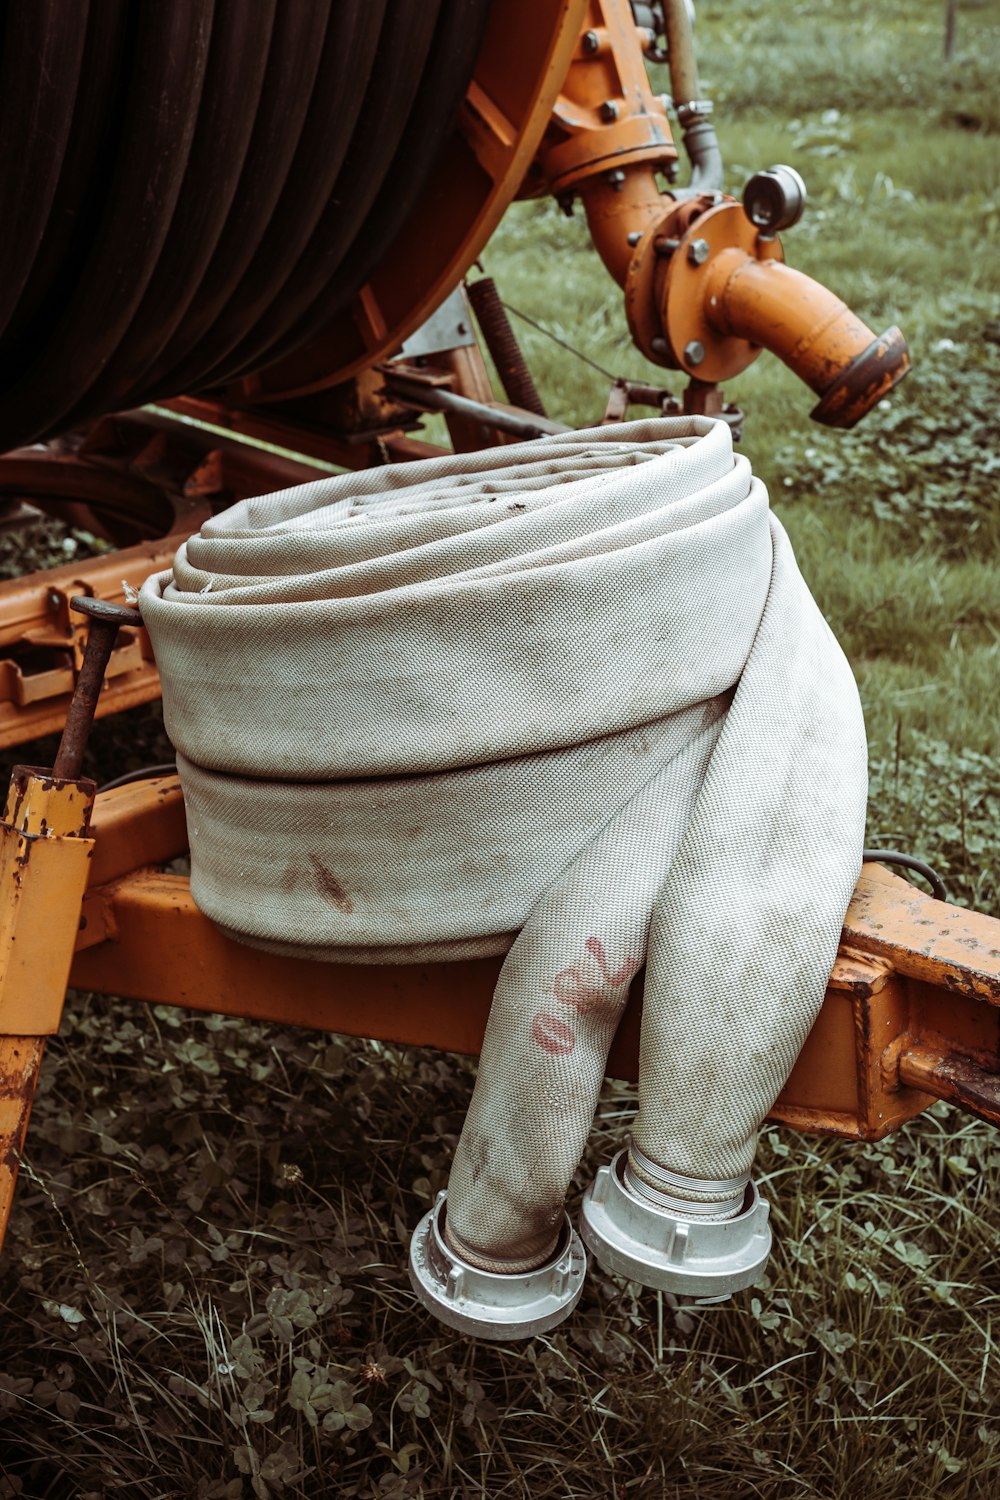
x,y
696,1259
489,1304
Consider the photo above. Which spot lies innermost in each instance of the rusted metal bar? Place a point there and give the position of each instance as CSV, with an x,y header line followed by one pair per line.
x,y
106,619
432,398
951,1076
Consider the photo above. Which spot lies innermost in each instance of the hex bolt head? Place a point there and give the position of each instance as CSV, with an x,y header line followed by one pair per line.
x,y
698,252
591,41
608,111
694,352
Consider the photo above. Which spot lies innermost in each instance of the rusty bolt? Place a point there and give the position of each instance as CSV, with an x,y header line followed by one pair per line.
x,y
608,111
698,252
591,41
659,346
694,352
105,620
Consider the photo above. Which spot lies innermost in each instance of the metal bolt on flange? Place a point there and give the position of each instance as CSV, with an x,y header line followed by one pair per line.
x,y
698,252
590,42
490,1304
694,352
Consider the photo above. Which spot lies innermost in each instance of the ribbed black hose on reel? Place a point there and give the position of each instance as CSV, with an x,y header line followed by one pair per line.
x,y
189,187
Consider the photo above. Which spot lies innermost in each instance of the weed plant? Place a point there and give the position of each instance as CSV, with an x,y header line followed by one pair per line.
x,y
203,1288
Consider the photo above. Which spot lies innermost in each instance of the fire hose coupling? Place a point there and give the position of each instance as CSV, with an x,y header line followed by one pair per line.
x,y
502,1306
664,1240
669,1190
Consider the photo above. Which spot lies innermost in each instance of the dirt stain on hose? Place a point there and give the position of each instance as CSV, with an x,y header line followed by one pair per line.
x,y
331,886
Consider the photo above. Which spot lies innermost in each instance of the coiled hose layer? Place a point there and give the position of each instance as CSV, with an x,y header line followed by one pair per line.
x,y
569,698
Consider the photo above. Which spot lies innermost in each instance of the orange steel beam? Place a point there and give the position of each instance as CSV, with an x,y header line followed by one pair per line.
x,y
45,849
912,1010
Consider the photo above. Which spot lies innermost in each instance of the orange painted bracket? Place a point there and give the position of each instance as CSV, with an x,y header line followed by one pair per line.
x,y
41,642
44,865
912,1010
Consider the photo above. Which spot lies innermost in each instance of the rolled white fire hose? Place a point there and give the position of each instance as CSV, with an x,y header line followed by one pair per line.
x,y
570,698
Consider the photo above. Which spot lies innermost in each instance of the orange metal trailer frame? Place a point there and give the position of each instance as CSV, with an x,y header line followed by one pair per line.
x,y
912,1009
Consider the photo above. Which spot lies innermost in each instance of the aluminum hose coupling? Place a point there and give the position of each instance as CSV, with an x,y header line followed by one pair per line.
x,y
658,1240
490,1304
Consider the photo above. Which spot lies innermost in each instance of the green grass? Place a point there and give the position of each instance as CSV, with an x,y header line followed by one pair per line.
x,y
203,1292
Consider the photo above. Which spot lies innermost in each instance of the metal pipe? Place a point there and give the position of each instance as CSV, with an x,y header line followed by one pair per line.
x,y
432,398
619,208
105,620
680,52
810,329
693,112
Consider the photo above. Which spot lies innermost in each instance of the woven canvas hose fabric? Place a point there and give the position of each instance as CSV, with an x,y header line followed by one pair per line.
x,y
570,699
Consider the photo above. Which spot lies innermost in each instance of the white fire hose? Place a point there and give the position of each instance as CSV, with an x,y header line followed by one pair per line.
x,y
570,698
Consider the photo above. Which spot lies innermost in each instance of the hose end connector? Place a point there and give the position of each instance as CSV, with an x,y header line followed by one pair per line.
x,y
489,1304
862,383
698,1258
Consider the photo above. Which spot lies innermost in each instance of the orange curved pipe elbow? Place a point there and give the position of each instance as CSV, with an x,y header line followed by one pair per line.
x,y
810,329
619,209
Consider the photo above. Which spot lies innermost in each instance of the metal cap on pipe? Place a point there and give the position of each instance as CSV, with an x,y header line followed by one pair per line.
x,y
490,1304
696,1258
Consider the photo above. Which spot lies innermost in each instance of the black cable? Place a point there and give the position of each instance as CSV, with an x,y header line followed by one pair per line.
x,y
169,768
909,862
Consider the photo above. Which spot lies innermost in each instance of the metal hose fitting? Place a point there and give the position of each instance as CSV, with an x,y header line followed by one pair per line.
x,y
694,1199
490,1304
697,1256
